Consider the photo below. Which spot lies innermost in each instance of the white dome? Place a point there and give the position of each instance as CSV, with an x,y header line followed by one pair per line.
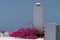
x,y
38,3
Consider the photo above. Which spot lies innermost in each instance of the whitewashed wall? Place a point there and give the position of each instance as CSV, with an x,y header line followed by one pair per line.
x,y
11,38
50,31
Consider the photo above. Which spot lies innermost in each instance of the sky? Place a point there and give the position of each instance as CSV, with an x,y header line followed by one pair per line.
x,y
15,14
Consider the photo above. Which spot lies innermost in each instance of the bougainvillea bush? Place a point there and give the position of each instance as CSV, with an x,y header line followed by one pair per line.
x,y
28,33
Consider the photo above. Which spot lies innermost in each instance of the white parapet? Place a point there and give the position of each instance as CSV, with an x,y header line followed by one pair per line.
x,y
50,31
12,38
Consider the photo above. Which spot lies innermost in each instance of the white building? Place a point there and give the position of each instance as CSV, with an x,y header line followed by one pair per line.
x,y
50,31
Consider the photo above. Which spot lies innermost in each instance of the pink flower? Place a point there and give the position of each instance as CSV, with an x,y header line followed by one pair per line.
x,y
26,31
21,29
25,37
16,34
33,37
31,33
34,30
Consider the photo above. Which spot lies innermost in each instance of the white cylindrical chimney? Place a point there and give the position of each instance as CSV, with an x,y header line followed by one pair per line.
x,y
38,16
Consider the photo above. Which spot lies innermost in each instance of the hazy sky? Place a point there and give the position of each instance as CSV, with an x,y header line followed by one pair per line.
x,y
15,14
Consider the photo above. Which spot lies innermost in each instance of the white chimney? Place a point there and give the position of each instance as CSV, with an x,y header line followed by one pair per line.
x,y
38,16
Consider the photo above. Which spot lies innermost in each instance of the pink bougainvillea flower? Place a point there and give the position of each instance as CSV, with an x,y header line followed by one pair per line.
x,y
27,30
21,29
28,33
31,33
26,37
34,30
16,34
33,37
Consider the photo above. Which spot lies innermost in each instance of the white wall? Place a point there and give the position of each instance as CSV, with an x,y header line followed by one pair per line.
x,y
12,38
50,31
